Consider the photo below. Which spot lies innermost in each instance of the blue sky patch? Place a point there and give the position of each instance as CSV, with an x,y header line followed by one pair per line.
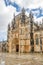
x,y
8,2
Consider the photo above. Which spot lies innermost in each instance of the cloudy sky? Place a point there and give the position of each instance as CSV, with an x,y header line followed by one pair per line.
x,y
9,7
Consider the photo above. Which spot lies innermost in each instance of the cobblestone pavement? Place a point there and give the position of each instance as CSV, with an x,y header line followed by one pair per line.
x,y
22,59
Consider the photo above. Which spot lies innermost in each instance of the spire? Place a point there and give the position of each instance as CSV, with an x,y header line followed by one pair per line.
x,y
31,15
8,27
23,10
14,16
13,22
23,15
12,25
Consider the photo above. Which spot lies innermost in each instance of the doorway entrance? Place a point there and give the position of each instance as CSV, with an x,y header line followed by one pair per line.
x,y
32,49
17,48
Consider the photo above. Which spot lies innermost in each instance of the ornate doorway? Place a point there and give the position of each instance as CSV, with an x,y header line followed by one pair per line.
x,y
17,48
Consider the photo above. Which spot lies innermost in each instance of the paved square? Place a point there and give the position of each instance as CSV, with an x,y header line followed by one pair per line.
x,y
22,59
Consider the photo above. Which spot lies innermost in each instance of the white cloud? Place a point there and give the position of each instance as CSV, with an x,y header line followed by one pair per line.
x,y
29,3
6,15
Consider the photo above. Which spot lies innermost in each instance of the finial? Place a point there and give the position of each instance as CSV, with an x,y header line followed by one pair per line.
x,y
23,10
9,26
31,15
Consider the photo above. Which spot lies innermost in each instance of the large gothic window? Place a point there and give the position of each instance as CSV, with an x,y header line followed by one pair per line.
x,y
23,16
37,41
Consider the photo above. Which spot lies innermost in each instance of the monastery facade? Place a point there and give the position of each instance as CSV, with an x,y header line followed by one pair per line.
x,y
24,35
